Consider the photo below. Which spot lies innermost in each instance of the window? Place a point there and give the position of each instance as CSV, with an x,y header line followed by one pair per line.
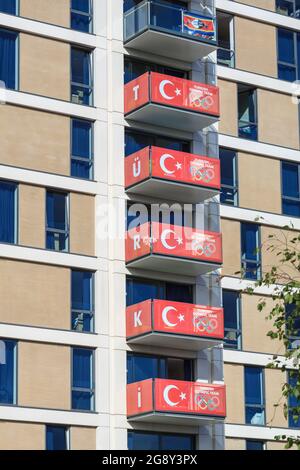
x,y
57,438
288,8
255,445
82,149
229,183
142,367
82,15
247,112
293,324
232,320
135,141
290,184
138,290
135,68
225,52
288,44
82,301
81,85
293,403
8,6
8,59
57,214
8,371
83,392
8,212
250,241
140,440
254,396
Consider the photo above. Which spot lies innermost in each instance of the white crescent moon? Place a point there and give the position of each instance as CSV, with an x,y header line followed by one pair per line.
x,y
166,395
164,314
164,241
162,161
162,85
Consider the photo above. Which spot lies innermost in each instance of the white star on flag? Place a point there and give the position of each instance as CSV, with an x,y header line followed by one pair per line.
x,y
178,166
180,317
179,241
178,92
182,396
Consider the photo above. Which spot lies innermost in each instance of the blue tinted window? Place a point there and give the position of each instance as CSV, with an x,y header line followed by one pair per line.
x,y
81,70
254,396
7,371
7,212
138,440
8,69
138,290
135,68
135,141
82,301
228,176
81,15
83,379
179,292
286,50
254,445
8,6
290,189
142,367
250,250
293,402
82,152
56,438
57,221
288,53
247,113
231,306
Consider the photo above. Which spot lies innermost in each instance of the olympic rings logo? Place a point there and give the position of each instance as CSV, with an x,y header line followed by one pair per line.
x,y
205,324
199,102
205,403
202,174
204,248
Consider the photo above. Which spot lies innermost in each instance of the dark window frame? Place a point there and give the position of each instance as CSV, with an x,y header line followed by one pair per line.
x,y
237,331
261,406
289,198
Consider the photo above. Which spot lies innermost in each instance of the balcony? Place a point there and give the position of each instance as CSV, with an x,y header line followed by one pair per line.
x,y
168,101
171,31
175,402
171,248
174,325
173,175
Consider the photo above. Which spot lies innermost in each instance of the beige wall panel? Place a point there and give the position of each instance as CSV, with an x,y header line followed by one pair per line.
x,y
281,240
82,224
83,438
44,375
31,216
228,106
274,380
43,141
273,445
44,67
254,42
234,380
259,179
231,235
34,294
265,4
278,121
55,11
21,436
235,444
255,326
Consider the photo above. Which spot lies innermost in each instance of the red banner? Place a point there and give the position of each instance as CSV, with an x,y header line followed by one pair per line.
x,y
173,240
186,94
174,317
172,91
176,396
172,165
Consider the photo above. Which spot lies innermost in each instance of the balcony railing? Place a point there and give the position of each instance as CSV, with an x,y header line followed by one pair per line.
x,y
172,248
168,30
172,102
171,174
175,401
174,324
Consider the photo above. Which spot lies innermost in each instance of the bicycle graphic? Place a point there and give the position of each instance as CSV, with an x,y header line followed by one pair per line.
x,y
202,174
205,403
199,101
204,247
204,325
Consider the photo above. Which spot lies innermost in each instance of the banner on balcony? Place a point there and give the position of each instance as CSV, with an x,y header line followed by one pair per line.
x,y
198,26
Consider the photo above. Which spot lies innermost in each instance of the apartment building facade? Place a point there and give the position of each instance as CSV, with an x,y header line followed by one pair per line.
x,y
126,333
